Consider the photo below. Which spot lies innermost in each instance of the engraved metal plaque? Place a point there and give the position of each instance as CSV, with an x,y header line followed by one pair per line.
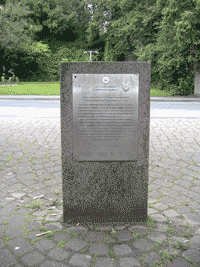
x,y
105,117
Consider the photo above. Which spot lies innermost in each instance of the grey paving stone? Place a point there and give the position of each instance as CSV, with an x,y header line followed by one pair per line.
x,y
32,235
95,236
190,194
192,219
2,185
167,127
138,229
104,262
169,201
19,245
158,218
184,183
197,232
44,244
152,211
7,259
143,245
33,225
196,189
124,236
54,226
16,221
3,219
53,218
2,194
7,210
192,255
128,262
81,260
157,237
75,244
195,242
155,194
101,249
33,258
5,201
194,204
160,206
171,213
152,201
58,254
183,198
195,181
2,244
15,232
151,258
182,209
180,262
168,192
77,229
161,227
49,263
122,250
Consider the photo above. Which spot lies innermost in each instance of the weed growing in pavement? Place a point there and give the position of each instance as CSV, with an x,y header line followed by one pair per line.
x,y
138,235
43,229
193,211
168,220
62,243
170,230
180,246
157,245
190,261
165,254
151,205
35,205
8,158
171,184
186,235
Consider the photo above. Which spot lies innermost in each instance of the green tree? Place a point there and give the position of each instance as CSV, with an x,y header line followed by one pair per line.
x,y
166,33
17,46
177,46
129,24
43,25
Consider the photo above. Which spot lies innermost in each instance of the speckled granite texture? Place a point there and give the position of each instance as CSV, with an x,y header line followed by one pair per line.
x,y
103,192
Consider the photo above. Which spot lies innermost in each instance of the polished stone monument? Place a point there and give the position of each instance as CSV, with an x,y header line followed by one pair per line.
x,y
105,120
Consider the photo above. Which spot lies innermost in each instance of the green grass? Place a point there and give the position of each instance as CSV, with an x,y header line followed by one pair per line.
x,y
50,88
31,88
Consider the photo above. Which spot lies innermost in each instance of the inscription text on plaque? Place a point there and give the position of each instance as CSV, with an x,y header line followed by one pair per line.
x,y
105,117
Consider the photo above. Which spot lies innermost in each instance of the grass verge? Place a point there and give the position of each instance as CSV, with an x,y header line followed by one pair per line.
x,y
52,88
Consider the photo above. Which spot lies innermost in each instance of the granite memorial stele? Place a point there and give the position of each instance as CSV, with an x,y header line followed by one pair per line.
x,y
105,120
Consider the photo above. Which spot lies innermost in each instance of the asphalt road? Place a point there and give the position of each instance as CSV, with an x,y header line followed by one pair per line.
x,y
51,109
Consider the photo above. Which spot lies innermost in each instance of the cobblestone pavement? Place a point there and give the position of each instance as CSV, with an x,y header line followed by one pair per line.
x,y
31,229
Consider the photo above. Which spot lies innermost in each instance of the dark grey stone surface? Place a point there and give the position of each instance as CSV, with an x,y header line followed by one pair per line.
x,y
103,192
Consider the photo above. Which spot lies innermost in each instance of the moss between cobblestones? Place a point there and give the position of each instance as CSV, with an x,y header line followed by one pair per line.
x,y
111,254
165,256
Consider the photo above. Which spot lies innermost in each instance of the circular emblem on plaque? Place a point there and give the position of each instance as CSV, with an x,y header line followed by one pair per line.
x,y
105,79
126,86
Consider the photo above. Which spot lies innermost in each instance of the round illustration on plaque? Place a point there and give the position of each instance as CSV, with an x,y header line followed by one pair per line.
x,y
105,79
